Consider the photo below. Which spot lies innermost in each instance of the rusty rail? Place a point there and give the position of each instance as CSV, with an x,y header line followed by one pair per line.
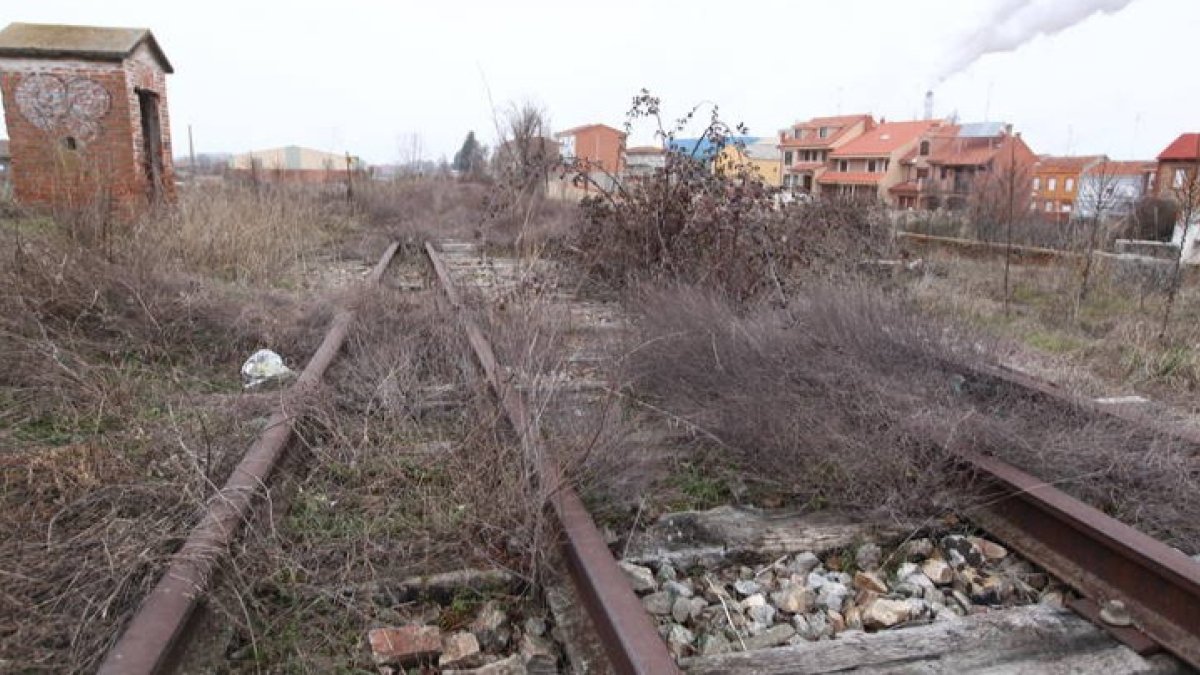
x,y
630,639
153,635
1100,557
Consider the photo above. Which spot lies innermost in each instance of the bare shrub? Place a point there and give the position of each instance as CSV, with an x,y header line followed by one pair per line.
x,y
847,398
821,400
722,230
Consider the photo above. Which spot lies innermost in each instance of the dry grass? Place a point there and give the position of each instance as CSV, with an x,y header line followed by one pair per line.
x,y
1109,346
847,397
244,234
418,210
413,472
121,405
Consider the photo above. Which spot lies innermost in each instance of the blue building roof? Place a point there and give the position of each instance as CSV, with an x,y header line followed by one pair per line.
x,y
704,148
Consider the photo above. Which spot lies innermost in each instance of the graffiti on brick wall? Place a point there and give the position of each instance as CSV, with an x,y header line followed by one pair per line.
x,y
53,104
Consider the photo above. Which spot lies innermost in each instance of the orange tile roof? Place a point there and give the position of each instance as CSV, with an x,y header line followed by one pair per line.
x,y
1132,168
907,188
1186,148
851,178
645,150
885,139
842,123
585,127
1049,164
801,167
964,152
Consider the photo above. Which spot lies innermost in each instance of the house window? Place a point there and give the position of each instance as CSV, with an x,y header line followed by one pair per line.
x,y
823,132
1037,183
1049,207
922,173
1070,185
1051,184
1180,178
1066,208
943,173
924,148
787,158
842,165
871,166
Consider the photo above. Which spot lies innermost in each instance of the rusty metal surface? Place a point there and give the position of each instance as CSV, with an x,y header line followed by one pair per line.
x,y
630,638
151,637
1099,556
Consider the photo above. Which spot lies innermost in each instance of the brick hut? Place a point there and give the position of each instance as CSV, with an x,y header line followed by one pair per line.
x,y
86,109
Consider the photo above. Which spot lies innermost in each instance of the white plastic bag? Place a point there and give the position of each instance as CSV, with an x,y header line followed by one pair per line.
x,y
263,366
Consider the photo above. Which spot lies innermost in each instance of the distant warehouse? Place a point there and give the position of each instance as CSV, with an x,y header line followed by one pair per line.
x,y
294,164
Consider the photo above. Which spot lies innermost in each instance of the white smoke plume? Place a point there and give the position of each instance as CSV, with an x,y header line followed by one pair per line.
x,y
1012,23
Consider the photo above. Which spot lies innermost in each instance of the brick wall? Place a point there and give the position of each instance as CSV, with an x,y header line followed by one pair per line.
x,y
74,131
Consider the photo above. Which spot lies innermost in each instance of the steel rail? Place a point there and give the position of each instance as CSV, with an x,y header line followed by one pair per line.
x,y
628,635
153,635
1097,555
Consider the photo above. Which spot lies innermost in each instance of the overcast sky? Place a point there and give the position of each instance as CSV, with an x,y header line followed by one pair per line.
x,y
369,76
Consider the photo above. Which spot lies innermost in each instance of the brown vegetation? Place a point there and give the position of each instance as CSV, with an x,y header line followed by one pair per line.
x,y
847,397
121,404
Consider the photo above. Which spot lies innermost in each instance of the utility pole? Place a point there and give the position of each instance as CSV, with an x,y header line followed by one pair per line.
x,y
191,155
1012,179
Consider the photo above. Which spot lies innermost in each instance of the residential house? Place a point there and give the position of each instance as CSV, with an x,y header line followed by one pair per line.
x,y
643,160
1056,184
870,165
294,164
1177,165
761,156
1113,188
1178,178
598,147
952,163
806,147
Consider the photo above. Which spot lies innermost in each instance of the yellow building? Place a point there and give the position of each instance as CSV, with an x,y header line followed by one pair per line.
x,y
763,158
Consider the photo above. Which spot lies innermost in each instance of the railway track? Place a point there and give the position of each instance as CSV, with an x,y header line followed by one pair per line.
x,y
163,625
1108,565
1101,559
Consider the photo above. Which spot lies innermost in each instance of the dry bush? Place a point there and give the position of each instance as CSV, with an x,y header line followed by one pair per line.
x,y
846,398
501,215
821,401
724,230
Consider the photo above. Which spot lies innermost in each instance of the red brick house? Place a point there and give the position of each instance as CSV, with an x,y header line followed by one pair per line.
x,y
1056,184
951,164
1177,165
86,111
806,147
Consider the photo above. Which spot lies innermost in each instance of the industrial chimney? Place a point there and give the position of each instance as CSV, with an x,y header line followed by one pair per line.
x,y
929,104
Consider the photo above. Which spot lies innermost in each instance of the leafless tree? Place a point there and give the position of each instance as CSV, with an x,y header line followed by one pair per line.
x,y
1185,188
526,154
411,150
1099,192
1000,196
